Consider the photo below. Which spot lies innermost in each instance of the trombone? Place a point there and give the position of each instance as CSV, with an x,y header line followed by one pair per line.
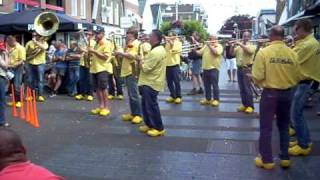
x,y
170,38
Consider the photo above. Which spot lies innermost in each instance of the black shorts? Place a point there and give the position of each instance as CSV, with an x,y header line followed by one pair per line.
x,y
100,80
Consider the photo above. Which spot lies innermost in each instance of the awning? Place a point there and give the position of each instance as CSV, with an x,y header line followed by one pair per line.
x,y
22,22
292,19
312,13
37,4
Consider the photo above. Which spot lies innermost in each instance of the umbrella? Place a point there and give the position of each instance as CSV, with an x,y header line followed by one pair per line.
x,y
22,22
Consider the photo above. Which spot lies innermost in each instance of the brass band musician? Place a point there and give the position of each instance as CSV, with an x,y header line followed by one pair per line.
x,y
173,48
36,60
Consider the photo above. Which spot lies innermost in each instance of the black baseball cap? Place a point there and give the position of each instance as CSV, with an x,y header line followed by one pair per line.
x,y
99,30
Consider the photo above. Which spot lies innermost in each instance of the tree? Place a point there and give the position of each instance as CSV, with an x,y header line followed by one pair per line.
x,y
165,27
187,27
244,22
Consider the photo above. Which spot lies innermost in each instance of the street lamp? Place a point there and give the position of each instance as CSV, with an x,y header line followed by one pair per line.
x,y
235,26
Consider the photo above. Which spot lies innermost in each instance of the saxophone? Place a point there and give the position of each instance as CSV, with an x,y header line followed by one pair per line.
x,y
135,64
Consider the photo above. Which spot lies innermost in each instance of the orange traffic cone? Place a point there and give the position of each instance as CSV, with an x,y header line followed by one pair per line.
x,y
14,108
35,112
31,108
22,112
28,117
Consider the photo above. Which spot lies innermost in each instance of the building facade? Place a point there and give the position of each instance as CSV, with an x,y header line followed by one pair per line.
x,y
173,12
265,19
106,13
299,9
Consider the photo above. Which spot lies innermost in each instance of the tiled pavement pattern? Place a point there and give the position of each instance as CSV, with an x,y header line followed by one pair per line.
x,y
202,143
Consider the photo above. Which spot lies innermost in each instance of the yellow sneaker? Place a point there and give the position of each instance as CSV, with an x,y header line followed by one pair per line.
x,y
144,128
136,120
204,102
89,98
249,110
215,103
18,104
259,163
127,117
241,108
293,143
299,151
79,97
155,133
170,100
178,101
41,99
285,163
292,131
10,103
95,111
120,97
110,97
104,112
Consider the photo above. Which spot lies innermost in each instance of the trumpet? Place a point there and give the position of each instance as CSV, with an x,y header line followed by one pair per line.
x,y
252,40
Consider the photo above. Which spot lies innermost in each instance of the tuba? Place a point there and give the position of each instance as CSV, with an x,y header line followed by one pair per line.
x,y
45,24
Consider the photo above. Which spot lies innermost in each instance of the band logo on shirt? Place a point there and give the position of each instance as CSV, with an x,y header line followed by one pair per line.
x,y
281,61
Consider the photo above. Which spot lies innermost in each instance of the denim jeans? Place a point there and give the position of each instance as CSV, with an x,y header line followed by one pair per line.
x,y
245,87
85,81
150,107
211,80
74,73
3,86
133,94
17,80
299,123
118,85
36,77
173,81
274,102
318,105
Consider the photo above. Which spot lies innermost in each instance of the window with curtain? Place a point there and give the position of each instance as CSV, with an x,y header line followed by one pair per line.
x,y
19,6
74,7
104,17
110,19
83,4
116,14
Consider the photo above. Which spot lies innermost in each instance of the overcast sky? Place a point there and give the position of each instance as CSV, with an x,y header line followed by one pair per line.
x,y
220,10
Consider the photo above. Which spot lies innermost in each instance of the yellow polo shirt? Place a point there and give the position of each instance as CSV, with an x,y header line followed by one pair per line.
x,y
209,60
126,67
145,48
308,50
92,44
153,70
17,55
174,52
243,58
41,57
276,66
98,64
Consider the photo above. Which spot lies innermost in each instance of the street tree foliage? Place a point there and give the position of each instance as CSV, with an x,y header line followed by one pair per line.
x,y
187,27
244,22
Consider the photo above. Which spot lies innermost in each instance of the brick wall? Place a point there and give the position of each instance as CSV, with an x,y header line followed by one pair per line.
x,y
7,6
